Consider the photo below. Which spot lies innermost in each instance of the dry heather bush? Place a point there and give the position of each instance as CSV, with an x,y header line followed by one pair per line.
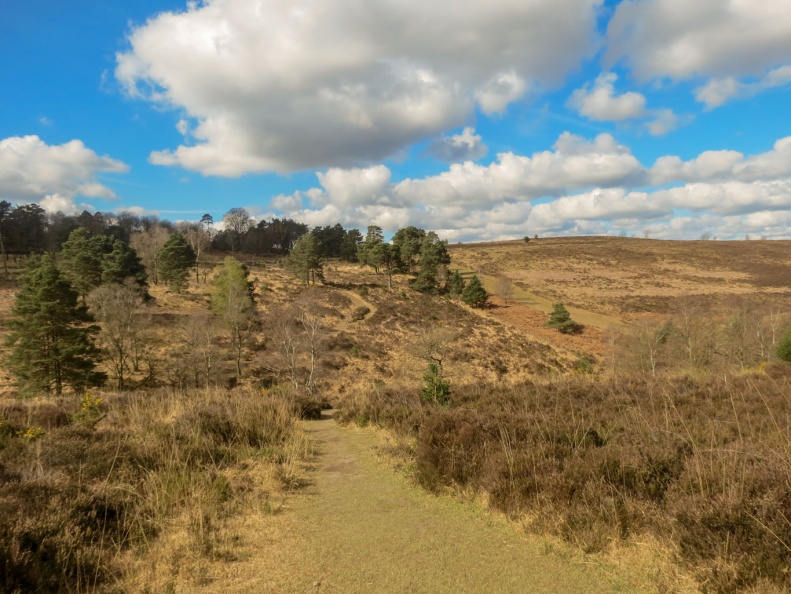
x,y
75,498
704,465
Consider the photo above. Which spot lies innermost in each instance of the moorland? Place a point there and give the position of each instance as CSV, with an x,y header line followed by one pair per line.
x,y
662,423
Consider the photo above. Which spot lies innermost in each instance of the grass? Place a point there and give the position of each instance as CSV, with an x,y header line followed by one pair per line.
x,y
82,502
703,466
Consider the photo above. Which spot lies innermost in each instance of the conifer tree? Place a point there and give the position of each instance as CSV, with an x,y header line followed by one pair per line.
x,y
474,294
52,345
80,260
560,319
232,301
456,284
122,263
305,259
176,258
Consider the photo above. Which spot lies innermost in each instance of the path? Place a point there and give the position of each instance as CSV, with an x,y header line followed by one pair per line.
x,y
362,527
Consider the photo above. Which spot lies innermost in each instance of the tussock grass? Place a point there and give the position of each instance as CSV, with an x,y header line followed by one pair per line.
x,y
701,465
82,502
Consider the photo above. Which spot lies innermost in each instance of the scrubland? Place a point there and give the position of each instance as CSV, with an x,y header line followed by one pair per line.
x,y
665,420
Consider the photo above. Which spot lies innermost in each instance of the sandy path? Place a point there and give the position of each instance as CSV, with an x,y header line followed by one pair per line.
x,y
361,527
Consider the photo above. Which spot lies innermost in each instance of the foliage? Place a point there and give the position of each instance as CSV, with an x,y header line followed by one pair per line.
x,y
51,337
373,238
784,347
306,259
90,411
232,301
435,389
456,284
433,256
560,319
408,242
176,258
80,260
474,294
122,263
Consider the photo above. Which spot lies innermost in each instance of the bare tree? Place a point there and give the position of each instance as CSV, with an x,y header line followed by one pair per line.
x,y
503,287
311,324
114,307
237,221
199,239
147,245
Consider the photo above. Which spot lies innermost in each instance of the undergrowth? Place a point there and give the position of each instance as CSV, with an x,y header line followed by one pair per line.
x,y
702,464
77,494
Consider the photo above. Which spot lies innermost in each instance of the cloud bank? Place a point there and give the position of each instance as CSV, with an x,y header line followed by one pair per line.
x,y
53,175
581,186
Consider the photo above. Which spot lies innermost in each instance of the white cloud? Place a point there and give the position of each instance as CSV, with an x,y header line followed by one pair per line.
x,y
725,165
283,86
720,40
459,147
52,175
719,90
584,187
601,104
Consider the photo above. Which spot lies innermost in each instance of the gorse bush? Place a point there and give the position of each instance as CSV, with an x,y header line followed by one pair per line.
x,y
702,464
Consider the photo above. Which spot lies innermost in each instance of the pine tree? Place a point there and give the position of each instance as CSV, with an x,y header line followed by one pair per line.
x,y
305,259
474,294
80,260
176,258
52,345
560,319
232,301
123,263
456,284
433,254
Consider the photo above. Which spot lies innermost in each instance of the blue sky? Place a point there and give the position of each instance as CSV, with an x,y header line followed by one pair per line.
x,y
495,119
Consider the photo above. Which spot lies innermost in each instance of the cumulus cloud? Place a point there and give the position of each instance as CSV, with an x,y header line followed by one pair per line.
x,y
600,103
582,186
725,165
721,40
467,146
284,86
719,90
52,175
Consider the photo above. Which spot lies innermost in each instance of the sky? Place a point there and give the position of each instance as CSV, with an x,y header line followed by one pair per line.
x,y
480,119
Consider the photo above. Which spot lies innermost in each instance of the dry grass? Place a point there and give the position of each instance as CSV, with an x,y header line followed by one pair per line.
x,y
701,466
84,503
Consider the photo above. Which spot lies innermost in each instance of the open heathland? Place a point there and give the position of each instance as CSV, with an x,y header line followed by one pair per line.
x,y
653,433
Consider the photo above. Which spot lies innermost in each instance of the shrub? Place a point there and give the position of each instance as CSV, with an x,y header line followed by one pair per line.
x,y
784,348
560,319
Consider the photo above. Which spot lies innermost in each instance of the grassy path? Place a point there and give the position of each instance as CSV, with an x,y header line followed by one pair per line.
x,y
361,527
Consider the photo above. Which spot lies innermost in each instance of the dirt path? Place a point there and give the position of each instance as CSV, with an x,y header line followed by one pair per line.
x,y
362,527
358,301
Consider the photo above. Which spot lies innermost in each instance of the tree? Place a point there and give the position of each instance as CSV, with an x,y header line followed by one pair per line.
x,y
474,294
80,260
503,287
199,238
114,307
560,319
408,242
176,258
147,244
456,284
433,255
237,221
373,237
232,301
384,256
122,264
784,347
305,259
432,345
51,335
350,245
